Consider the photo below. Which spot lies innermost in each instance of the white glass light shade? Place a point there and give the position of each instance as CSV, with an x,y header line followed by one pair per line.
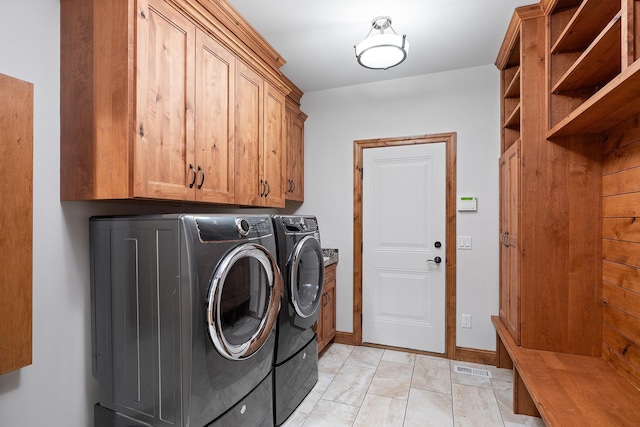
x,y
382,51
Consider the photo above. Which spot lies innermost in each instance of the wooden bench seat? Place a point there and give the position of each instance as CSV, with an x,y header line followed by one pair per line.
x,y
567,389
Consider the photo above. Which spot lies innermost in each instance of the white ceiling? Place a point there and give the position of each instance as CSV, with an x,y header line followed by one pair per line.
x,y
316,38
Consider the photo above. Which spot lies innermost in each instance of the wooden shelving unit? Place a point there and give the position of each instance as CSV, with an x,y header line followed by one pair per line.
x,y
549,193
593,76
570,329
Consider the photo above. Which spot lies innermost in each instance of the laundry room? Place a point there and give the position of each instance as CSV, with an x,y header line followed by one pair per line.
x,y
376,259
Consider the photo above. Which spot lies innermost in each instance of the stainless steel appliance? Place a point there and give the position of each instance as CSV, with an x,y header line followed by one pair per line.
x,y
184,309
302,266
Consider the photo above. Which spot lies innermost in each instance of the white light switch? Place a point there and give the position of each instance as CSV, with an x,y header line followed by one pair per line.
x,y
464,242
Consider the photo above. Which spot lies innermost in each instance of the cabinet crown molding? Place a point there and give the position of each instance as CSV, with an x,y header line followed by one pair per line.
x,y
231,29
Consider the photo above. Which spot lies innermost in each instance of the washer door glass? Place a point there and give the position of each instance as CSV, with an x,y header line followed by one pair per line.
x,y
306,270
243,301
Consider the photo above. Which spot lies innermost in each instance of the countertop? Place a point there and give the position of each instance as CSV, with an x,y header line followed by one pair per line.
x,y
330,256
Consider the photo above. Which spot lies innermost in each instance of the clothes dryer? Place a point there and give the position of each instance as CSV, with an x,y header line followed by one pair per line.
x,y
184,309
302,265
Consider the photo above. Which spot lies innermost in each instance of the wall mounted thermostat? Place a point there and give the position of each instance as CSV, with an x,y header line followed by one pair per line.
x,y
467,204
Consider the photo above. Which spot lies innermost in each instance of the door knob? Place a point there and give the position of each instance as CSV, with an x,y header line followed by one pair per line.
x,y
437,260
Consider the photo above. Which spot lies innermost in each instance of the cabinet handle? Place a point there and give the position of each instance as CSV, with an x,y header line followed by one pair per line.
x,y
268,188
505,237
293,186
202,180
261,188
193,181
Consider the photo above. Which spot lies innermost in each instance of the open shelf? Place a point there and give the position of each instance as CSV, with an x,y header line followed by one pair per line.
x,y
513,121
587,22
513,89
599,63
610,106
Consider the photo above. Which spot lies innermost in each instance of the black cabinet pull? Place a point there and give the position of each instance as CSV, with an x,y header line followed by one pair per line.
x,y
268,188
202,180
191,168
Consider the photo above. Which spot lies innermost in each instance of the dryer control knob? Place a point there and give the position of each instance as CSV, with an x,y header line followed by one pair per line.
x,y
243,226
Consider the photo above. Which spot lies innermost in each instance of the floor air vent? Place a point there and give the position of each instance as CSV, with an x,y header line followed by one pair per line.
x,y
473,371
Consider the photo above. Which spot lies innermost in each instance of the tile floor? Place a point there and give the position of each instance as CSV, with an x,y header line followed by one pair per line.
x,y
370,387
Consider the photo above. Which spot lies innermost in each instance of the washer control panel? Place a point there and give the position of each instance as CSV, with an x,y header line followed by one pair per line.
x,y
216,229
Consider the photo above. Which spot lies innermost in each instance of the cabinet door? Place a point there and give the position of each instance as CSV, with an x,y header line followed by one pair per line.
x,y
249,186
504,245
163,158
509,256
16,223
326,326
329,314
295,157
273,147
214,127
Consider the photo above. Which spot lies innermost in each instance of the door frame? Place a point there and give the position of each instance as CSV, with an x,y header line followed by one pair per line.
x,y
450,272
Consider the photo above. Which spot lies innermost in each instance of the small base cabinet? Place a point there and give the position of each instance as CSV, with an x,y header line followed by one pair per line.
x,y
326,326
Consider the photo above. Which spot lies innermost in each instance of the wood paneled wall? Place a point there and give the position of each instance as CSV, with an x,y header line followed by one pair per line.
x,y
621,250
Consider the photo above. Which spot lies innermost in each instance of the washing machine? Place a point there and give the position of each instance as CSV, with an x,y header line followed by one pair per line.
x,y
184,311
296,357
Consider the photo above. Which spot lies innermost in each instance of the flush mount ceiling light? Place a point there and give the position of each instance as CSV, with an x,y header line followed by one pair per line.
x,y
382,50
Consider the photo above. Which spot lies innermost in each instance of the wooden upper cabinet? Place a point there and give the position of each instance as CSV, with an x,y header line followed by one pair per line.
x,y
294,185
259,128
164,161
214,137
273,150
159,101
249,184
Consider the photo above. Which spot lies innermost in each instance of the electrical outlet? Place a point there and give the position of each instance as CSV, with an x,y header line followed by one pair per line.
x,y
466,321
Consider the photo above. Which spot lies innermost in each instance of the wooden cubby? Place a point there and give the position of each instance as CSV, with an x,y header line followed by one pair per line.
x,y
593,77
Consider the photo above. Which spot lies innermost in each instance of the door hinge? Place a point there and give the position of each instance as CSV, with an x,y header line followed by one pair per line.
x,y
361,247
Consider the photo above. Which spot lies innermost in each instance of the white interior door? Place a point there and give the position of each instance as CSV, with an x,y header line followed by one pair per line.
x,y
404,215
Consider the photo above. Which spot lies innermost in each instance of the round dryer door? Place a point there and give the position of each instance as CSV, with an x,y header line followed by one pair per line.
x,y
243,301
306,276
